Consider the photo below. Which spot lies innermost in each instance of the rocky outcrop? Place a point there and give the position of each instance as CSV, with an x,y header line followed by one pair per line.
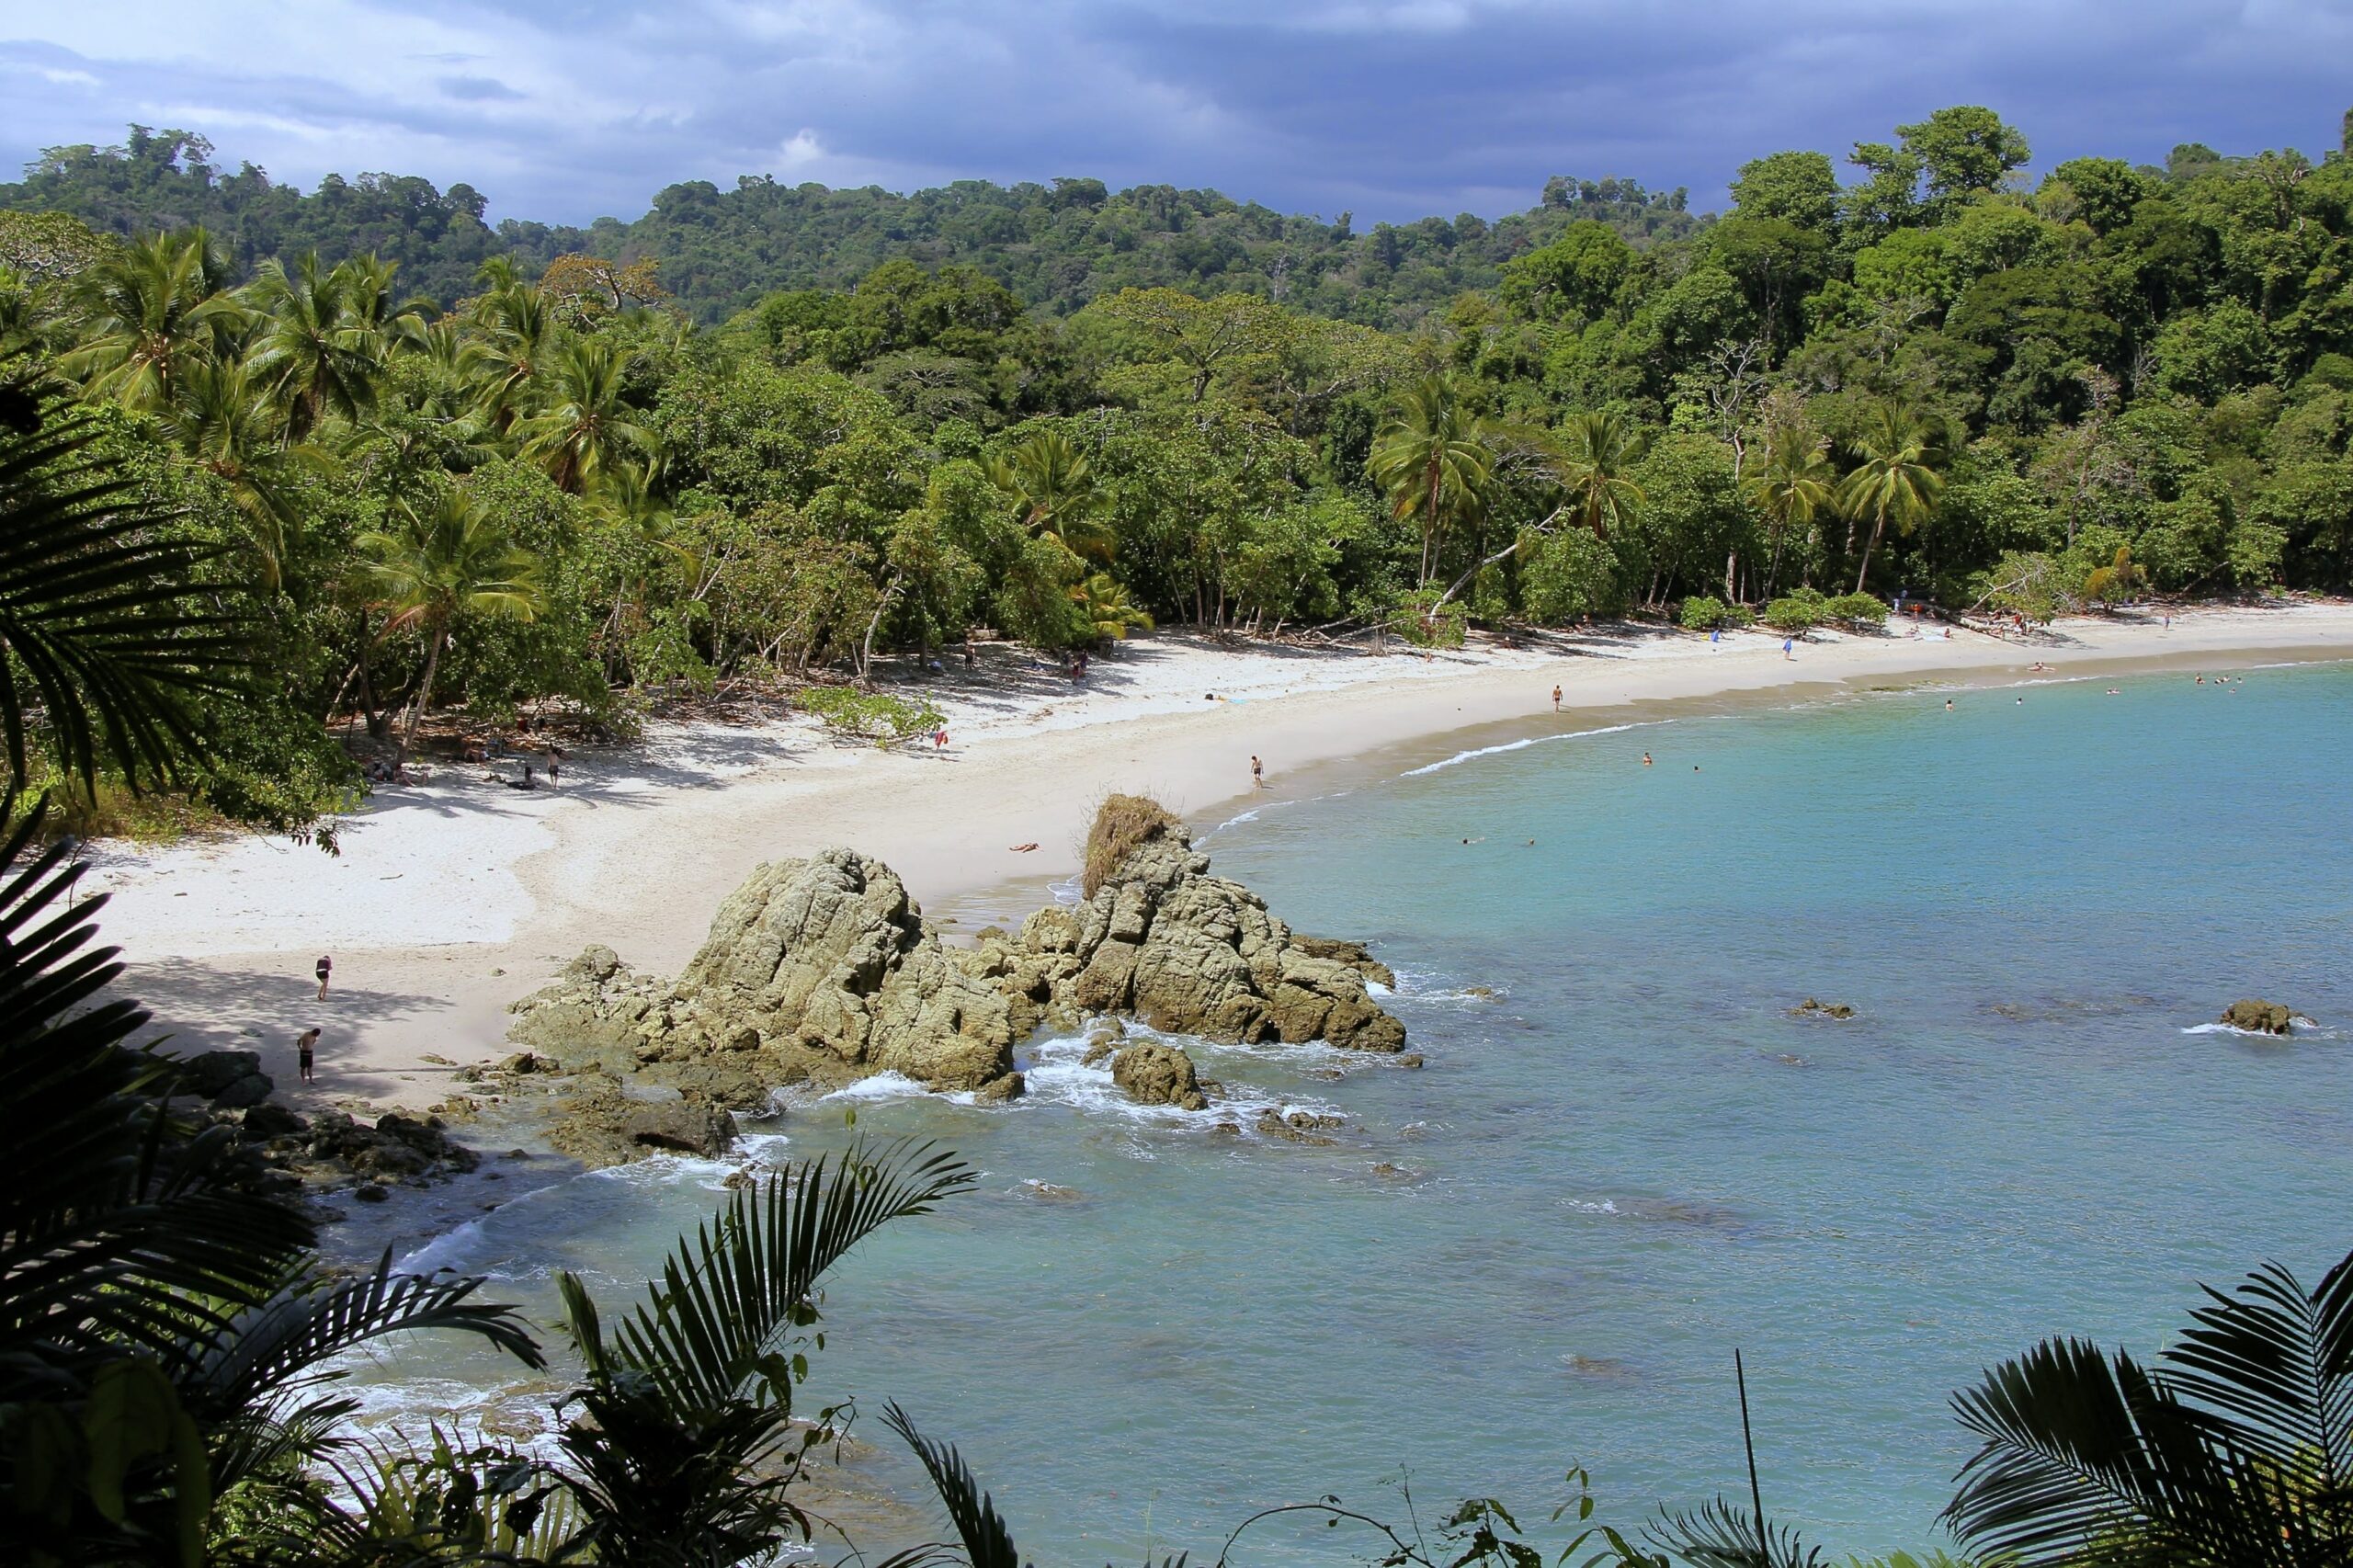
x,y
229,1080
1159,1074
2260,1018
603,1123
823,971
1812,1008
1187,952
819,970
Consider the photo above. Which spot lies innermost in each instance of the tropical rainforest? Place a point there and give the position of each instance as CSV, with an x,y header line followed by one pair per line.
x,y
768,434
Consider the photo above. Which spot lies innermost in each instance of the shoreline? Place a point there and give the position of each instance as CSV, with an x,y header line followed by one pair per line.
x,y
455,898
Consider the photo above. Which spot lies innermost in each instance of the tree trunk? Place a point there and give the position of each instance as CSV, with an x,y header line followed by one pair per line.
x,y
424,690
1732,556
1868,545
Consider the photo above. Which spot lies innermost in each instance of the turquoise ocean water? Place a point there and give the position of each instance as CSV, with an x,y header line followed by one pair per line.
x,y
1629,1159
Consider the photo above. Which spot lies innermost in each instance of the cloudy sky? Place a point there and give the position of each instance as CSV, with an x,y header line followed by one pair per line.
x,y
566,109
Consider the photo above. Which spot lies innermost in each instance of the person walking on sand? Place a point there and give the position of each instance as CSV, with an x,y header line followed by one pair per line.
x,y
305,1044
327,968
1787,644
1556,699
1257,774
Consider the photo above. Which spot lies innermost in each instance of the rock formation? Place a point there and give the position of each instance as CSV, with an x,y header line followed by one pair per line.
x,y
814,971
1158,1075
2258,1018
1188,953
824,971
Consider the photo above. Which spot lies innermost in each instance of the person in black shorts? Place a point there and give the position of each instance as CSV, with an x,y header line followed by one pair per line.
x,y
326,966
305,1044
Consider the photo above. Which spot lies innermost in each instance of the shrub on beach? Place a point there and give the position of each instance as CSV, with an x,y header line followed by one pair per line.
x,y
1862,611
1122,823
875,716
1796,613
1704,612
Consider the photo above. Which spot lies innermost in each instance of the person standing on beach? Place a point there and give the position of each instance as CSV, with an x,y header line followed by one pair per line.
x,y
1257,774
326,966
1556,699
305,1044
1788,643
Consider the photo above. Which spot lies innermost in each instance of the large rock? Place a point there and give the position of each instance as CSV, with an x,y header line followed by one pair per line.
x,y
814,970
1189,953
1159,1074
605,1124
2258,1018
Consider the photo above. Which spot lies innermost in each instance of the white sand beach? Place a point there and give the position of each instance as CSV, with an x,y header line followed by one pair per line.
x,y
452,897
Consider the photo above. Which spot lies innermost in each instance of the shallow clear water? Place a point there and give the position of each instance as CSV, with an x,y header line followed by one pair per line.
x,y
1630,1159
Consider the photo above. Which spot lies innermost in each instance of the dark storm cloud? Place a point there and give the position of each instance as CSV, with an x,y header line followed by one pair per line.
x,y
1393,110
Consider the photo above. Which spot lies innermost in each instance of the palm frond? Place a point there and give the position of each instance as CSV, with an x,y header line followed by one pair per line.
x,y
711,1323
987,1542
2083,1447
99,611
1725,1535
2277,1361
289,1341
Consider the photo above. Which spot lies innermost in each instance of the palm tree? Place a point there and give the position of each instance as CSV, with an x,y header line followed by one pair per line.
x,y
519,333
449,557
101,619
688,1444
1104,601
2236,1450
584,432
153,307
233,427
1434,458
1894,481
1596,450
1050,480
315,351
165,1332
1794,484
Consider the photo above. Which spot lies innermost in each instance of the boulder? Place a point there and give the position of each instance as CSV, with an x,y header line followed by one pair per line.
x,y
602,1125
207,1073
1187,952
1355,955
817,969
1158,1075
2258,1018
1812,1008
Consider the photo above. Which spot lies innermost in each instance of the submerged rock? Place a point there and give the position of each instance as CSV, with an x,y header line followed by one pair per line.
x,y
2258,1018
1159,1074
1811,1008
601,1123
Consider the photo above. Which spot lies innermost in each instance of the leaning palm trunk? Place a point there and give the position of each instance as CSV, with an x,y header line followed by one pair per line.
x,y
1878,523
424,688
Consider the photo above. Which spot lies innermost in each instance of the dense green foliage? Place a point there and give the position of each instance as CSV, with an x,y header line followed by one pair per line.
x,y
1069,414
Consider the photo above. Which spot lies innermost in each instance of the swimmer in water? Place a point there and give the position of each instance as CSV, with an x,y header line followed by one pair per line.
x,y
1647,760
1948,704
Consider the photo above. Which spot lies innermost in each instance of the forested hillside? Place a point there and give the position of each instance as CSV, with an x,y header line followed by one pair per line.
x,y
1055,247
454,467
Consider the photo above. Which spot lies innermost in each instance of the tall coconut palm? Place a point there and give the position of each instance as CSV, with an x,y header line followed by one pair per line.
x,y
1050,480
2235,1449
225,420
1794,482
316,353
1595,451
519,335
153,307
1434,458
448,556
1895,480
584,431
